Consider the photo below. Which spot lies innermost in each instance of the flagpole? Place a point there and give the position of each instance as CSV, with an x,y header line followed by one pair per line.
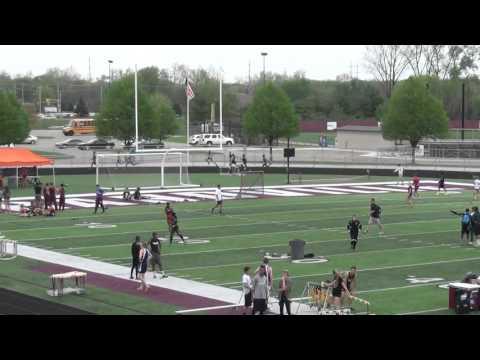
x,y
136,110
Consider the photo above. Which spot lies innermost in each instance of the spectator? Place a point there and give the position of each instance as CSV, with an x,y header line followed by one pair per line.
x,y
284,288
135,257
247,288
143,256
260,291
475,219
6,198
38,191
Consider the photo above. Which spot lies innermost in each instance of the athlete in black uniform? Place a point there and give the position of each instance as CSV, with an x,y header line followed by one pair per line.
x,y
354,228
136,245
155,249
174,229
338,285
441,185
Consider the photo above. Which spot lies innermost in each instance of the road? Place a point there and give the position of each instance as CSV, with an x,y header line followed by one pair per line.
x,y
304,156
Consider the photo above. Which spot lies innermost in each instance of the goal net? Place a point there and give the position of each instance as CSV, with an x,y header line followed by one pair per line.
x,y
251,182
116,171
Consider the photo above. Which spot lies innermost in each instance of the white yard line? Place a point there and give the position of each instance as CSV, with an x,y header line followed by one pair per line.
x,y
423,311
377,268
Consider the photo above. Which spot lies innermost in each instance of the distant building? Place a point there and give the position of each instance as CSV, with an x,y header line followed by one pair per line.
x,y
344,77
362,138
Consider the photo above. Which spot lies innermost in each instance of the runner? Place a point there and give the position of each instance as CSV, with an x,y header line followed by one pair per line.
x,y
399,171
135,250
219,200
375,212
53,196
175,229
99,199
476,187
46,196
354,228
441,185
410,195
416,184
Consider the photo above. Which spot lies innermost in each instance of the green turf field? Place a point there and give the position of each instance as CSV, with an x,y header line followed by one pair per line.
x,y
420,241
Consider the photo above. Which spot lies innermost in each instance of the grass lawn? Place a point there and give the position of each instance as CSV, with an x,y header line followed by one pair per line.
x,y
420,241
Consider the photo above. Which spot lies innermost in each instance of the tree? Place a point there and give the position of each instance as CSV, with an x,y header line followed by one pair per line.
x,y
117,113
14,120
386,63
163,121
271,114
413,113
156,118
81,108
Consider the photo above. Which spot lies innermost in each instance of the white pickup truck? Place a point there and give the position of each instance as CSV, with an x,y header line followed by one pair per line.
x,y
215,139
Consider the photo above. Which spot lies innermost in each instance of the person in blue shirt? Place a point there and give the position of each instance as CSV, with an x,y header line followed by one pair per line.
x,y
466,220
99,199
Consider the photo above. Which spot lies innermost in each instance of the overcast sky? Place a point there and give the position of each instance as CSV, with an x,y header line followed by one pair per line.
x,y
319,62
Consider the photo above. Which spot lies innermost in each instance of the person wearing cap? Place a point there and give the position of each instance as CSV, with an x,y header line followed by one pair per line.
x,y
284,288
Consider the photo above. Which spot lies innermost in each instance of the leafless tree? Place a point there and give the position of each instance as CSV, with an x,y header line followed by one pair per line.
x,y
386,63
416,59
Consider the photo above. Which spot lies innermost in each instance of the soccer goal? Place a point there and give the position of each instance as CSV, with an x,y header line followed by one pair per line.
x,y
251,182
117,171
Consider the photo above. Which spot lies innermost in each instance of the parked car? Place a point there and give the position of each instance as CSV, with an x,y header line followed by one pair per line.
x,y
146,144
30,140
215,139
70,143
96,144
195,139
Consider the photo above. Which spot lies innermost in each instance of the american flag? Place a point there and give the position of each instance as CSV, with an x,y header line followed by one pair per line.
x,y
188,90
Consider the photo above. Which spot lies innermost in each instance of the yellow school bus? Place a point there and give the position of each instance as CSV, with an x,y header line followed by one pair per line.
x,y
80,127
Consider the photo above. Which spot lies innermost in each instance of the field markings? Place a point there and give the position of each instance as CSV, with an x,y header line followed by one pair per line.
x,y
379,268
423,311
258,206
223,226
327,255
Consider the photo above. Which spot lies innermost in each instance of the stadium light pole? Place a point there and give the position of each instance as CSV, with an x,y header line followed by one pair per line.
x,y
109,72
264,54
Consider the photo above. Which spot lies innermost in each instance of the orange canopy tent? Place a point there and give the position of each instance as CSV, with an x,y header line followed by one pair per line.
x,y
21,157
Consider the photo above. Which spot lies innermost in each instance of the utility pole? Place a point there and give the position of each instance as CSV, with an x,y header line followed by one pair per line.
x,y
15,89
59,98
463,111
249,78
40,98
23,97
89,70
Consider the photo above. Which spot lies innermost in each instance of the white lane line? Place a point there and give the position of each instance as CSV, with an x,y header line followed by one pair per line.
x,y
379,188
329,255
329,192
380,268
423,311
355,191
